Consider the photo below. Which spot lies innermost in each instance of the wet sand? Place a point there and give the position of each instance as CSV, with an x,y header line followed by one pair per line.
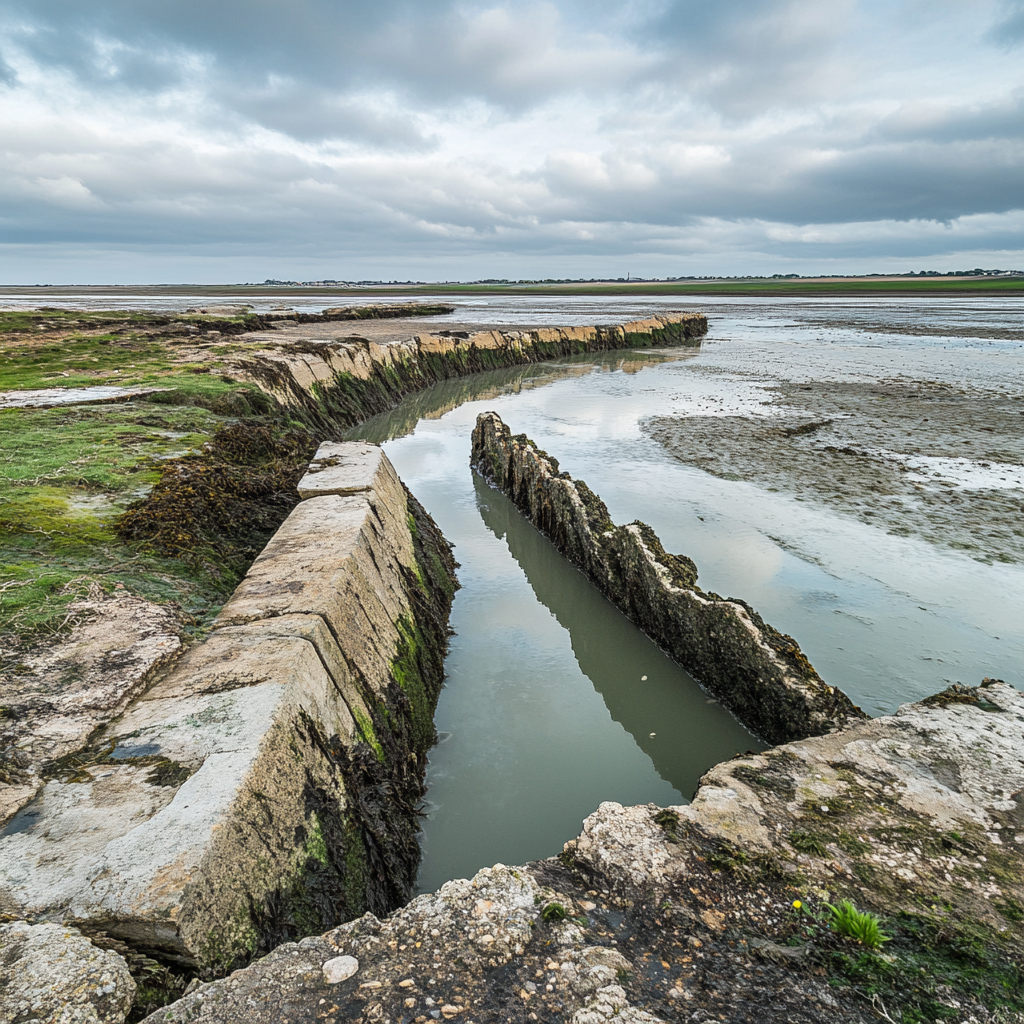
x,y
924,458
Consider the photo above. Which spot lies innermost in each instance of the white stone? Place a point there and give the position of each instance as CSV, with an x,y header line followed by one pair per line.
x,y
341,468
339,969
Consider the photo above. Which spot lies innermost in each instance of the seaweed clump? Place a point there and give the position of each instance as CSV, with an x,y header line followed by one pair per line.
x,y
216,509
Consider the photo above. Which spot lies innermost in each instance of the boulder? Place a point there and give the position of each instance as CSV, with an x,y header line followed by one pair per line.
x,y
52,974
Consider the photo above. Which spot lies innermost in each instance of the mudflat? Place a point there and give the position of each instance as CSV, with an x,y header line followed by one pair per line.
x,y
942,462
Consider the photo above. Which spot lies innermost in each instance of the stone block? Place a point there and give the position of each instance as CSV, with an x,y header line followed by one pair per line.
x,y
341,468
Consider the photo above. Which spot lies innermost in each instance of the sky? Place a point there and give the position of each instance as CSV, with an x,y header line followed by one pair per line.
x,y
238,140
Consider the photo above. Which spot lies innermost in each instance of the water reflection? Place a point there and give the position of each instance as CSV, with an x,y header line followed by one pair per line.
x,y
434,402
671,719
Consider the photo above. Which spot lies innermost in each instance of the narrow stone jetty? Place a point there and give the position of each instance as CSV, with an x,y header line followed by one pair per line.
x,y
760,674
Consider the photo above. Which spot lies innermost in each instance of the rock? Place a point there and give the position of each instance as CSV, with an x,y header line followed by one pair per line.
x,y
339,968
687,913
760,674
58,696
52,974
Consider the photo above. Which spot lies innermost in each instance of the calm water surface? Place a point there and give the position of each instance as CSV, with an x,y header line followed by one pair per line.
x,y
545,711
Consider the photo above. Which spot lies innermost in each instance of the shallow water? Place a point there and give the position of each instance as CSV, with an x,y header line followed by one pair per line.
x,y
545,713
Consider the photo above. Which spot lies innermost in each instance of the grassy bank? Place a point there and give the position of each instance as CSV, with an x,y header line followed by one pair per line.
x,y
754,286
221,454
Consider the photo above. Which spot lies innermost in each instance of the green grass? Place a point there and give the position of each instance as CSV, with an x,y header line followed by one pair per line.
x,y
928,958
65,476
751,286
69,476
861,926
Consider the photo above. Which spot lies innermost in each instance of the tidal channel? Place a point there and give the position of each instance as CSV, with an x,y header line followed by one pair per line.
x,y
554,702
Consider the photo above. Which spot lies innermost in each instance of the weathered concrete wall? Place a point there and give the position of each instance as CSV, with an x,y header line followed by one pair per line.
x,y
686,913
336,384
266,786
761,675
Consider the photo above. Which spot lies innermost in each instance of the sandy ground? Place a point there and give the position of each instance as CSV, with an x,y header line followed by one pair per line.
x,y
937,461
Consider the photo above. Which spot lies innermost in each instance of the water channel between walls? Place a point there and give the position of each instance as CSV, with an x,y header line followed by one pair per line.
x,y
546,710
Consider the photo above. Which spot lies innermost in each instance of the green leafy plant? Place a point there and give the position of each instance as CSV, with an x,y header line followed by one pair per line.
x,y
860,925
554,912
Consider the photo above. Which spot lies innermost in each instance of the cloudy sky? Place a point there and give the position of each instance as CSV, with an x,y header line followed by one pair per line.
x,y
233,140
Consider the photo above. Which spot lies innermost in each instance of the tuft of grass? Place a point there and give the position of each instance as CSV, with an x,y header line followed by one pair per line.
x,y
861,926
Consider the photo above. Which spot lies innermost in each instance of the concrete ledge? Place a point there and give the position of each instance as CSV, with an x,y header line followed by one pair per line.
x,y
341,469
226,810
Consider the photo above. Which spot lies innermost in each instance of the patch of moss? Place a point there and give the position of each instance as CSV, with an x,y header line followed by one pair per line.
x,y
807,842
960,694
726,857
669,823
553,912
407,671
75,767
369,733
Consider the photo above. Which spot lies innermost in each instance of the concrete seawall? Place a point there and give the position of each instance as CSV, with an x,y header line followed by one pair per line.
x,y
265,788
760,674
335,383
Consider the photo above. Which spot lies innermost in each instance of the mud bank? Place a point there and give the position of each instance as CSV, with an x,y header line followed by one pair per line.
x,y
265,787
717,910
941,462
761,675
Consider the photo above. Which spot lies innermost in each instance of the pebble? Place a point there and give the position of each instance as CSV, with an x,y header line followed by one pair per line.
x,y
339,968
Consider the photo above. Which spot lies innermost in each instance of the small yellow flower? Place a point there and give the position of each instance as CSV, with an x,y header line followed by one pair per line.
x,y
797,904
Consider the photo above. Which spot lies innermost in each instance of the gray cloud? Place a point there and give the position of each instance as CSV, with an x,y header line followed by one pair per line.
x,y
1009,29
492,131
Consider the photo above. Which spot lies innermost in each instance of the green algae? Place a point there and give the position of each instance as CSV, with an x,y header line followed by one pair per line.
x,y
409,673
368,732
68,474
75,767
928,960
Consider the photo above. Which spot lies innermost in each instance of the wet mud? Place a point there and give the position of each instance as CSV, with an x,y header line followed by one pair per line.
x,y
927,459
